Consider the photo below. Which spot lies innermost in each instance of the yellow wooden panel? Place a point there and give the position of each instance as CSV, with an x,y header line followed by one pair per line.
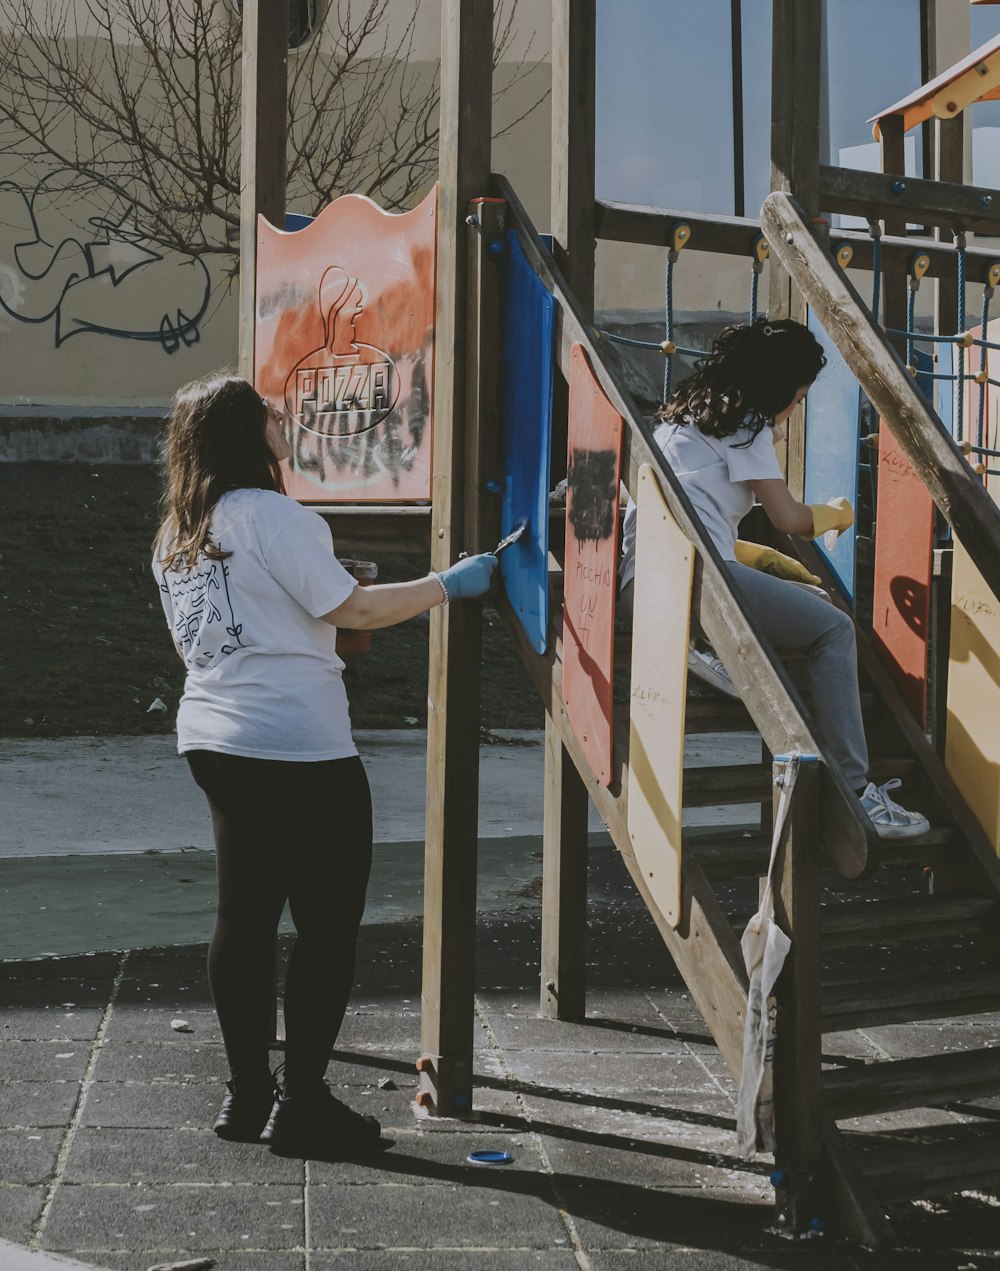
x,y
972,740
664,569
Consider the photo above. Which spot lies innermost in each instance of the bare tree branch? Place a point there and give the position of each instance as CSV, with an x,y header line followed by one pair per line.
x,y
144,95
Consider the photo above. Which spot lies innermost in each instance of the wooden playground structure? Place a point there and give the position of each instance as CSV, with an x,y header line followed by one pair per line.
x,y
929,657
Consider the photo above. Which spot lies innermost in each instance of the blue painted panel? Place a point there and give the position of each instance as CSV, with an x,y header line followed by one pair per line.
x,y
528,357
295,220
832,440
924,362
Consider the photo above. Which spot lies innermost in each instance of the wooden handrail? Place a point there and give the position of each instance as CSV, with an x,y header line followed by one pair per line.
x,y
764,685
882,194
939,463
735,235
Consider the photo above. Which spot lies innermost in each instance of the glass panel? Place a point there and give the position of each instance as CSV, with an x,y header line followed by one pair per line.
x,y
985,25
756,16
873,60
664,104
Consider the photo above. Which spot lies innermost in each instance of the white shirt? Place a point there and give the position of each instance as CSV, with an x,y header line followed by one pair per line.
x,y
263,676
715,473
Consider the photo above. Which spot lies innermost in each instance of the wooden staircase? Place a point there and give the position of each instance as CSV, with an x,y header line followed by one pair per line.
x,y
883,932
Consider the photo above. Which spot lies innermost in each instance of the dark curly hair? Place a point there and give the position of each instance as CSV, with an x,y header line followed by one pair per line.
x,y
753,372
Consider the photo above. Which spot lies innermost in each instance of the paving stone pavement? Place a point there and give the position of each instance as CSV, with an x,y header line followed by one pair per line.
x,y
620,1129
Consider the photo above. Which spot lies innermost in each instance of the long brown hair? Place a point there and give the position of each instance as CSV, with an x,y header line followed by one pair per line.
x,y
215,441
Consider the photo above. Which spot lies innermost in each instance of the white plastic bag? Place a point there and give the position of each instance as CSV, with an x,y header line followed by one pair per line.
x,y
765,947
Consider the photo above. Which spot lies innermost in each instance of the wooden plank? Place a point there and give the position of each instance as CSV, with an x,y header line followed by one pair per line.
x,y
972,745
860,1215
874,194
664,572
865,1003
453,692
930,1160
940,464
572,203
262,148
735,235
764,685
564,883
797,1102
927,1081
591,567
904,539
704,947
573,95
899,921
893,160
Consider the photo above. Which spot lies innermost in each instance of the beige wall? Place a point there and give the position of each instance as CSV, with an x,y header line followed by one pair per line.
x,y
90,318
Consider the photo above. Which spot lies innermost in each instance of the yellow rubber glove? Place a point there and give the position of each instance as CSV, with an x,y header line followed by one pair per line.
x,y
837,514
770,561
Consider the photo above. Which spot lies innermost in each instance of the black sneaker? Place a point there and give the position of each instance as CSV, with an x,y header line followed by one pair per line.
x,y
244,1112
319,1125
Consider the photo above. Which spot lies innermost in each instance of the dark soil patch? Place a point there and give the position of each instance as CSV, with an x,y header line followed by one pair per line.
x,y
83,646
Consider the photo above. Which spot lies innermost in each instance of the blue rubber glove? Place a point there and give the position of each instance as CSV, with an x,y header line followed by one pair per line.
x,y
469,577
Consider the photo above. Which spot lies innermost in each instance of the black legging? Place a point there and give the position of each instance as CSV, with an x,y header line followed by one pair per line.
x,y
300,832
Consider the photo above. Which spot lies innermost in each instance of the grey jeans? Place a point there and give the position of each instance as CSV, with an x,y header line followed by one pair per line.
x,y
797,618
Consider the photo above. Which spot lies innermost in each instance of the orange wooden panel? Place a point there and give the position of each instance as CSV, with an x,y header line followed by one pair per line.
x,y
591,561
904,532
344,342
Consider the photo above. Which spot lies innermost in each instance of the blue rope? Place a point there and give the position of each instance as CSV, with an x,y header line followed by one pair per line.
x,y
984,450
984,320
929,336
625,339
668,315
911,302
754,281
985,344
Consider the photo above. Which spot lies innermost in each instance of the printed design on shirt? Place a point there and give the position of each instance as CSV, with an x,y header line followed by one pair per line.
x,y
200,599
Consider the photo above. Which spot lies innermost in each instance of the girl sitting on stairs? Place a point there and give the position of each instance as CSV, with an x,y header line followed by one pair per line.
x,y
718,432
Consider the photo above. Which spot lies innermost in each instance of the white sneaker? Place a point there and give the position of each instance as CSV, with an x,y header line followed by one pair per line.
x,y
890,820
708,668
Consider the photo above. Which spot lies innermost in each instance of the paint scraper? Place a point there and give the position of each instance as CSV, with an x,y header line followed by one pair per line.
x,y
512,537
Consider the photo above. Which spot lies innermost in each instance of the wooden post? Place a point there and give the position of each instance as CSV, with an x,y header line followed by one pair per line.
x,y
564,854
893,157
796,78
262,148
453,692
798,1098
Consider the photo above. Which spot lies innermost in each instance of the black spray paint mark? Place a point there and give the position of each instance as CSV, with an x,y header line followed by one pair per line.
x,y
593,490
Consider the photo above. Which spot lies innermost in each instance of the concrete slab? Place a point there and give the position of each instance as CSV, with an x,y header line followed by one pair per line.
x,y
50,1023
142,1107
421,1157
37,1104
28,1155
179,1061
79,795
514,1209
171,1220
42,1061
173,1156
446,1260
17,1258
21,1206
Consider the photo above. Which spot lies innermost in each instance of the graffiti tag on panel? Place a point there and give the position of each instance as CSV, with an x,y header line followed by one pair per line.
x,y
72,258
344,341
589,570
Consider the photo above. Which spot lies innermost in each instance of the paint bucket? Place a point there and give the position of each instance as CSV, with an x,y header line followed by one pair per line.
x,y
354,644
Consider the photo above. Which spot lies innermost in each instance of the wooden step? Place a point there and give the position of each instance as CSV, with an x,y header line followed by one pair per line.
x,y
740,854
892,1000
753,782
915,1164
716,714
913,918
924,1082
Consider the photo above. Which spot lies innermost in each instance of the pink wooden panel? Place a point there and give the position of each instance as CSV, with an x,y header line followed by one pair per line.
x,y
345,344
904,533
595,433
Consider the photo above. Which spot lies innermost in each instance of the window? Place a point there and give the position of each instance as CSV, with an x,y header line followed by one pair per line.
x,y
301,20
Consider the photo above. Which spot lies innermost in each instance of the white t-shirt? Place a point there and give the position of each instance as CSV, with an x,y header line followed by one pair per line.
x,y
715,473
263,676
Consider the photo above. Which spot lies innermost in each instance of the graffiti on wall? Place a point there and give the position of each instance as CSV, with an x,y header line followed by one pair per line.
x,y
344,340
72,257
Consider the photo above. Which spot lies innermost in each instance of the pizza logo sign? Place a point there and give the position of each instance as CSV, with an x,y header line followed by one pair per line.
x,y
345,387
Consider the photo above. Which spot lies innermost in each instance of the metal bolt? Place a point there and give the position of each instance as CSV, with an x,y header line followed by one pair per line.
x,y
472,220
789,238
898,187
985,200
